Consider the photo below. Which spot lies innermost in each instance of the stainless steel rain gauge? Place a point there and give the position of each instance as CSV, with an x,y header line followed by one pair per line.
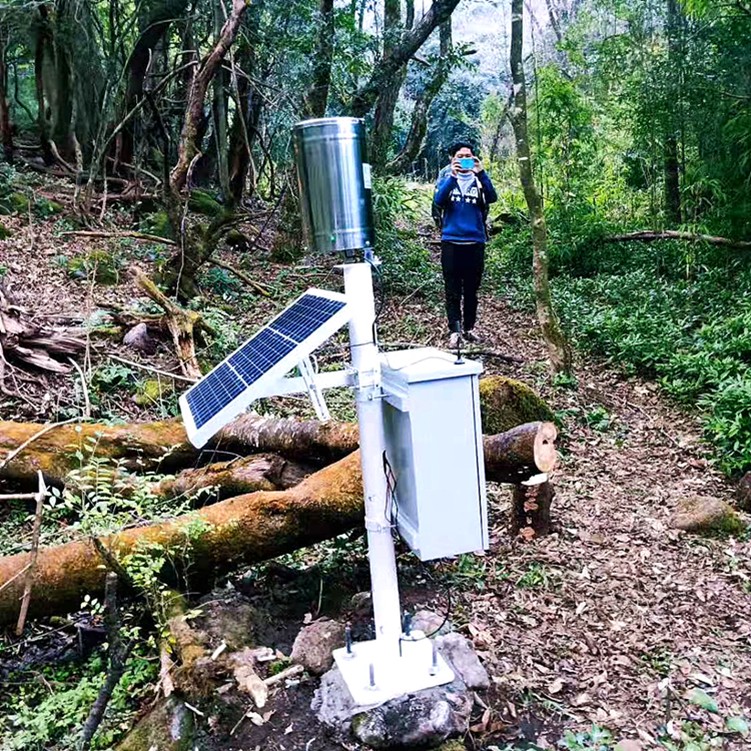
x,y
417,409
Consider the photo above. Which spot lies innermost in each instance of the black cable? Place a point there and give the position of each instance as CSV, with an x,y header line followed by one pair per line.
x,y
391,483
446,617
382,303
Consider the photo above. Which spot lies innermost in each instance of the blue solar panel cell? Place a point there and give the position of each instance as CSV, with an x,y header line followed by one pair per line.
x,y
216,390
259,354
305,316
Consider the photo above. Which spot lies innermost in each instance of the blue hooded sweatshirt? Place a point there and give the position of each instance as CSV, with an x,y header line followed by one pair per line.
x,y
462,211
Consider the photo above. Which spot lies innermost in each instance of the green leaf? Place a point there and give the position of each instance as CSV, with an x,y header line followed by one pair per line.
x,y
703,700
737,725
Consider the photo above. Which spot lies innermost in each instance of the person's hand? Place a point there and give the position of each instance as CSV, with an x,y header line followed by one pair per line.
x,y
455,166
478,168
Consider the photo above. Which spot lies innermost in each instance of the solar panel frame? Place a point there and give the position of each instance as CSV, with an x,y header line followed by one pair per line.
x,y
303,328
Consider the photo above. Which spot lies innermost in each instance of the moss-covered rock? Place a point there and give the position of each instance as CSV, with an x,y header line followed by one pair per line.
x,y
204,203
236,239
14,203
506,403
168,727
707,516
152,392
104,267
159,224
451,746
44,207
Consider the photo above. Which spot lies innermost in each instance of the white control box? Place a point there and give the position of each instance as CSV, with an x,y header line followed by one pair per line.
x,y
431,416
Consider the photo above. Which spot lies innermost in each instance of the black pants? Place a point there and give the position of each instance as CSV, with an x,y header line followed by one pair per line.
x,y
462,272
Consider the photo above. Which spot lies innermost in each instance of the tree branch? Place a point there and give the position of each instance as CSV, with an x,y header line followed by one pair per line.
x,y
400,54
647,236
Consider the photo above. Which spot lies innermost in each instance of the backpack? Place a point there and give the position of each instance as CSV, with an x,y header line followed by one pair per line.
x,y
436,211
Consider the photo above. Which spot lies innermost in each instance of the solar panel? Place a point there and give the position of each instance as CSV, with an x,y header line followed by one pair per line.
x,y
267,356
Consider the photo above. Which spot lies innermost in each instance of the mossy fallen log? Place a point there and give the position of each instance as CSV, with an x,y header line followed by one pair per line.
x,y
506,403
164,446
243,529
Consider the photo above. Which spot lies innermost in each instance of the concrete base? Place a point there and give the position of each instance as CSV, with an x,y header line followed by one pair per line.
x,y
373,678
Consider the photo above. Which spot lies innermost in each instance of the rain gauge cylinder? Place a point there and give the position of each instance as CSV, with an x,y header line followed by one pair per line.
x,y
335,184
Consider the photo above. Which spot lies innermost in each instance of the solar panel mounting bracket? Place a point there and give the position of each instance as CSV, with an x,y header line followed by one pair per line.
x,y
305,366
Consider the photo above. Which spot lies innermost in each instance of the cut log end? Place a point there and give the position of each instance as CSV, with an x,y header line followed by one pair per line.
x,y
546,457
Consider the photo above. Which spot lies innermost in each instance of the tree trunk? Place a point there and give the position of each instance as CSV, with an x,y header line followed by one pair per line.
x,y
318,94
219,112
521,452
59,87
559,350
155,25
163,446
672,112
224,480
383,121
243,529
239,139
419,121
495,144
42,45
388,67
672,181
6,132
188,146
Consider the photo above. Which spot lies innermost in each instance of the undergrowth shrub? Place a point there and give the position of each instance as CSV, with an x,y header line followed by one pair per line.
x,y
407,267
681,315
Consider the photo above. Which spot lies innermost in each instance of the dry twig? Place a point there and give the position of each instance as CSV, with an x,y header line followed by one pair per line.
x,y
26,599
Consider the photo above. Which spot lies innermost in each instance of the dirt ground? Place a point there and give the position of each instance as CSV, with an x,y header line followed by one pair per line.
x,y
610,621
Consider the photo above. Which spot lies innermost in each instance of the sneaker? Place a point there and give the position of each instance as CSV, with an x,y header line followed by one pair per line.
x,y
471,337
455,339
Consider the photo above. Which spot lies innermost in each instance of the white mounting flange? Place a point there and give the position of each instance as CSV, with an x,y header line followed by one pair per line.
x,y
374,677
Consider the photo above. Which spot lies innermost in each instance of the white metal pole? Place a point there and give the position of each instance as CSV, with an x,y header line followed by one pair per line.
x,y
358,286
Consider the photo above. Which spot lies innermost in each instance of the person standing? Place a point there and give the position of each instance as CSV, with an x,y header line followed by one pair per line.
x,y
463,194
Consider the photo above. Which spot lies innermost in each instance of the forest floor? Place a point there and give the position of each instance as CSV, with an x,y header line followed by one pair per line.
x,y
609,623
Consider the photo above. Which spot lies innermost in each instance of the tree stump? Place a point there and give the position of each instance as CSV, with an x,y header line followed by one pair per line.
x,y
530,509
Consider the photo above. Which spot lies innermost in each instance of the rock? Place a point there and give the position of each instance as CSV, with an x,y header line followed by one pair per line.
x,y
458,652
228,618
315,643
743,493
424,719
430,623
333,703
706,516
168,727
138,338
362,603
628,746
